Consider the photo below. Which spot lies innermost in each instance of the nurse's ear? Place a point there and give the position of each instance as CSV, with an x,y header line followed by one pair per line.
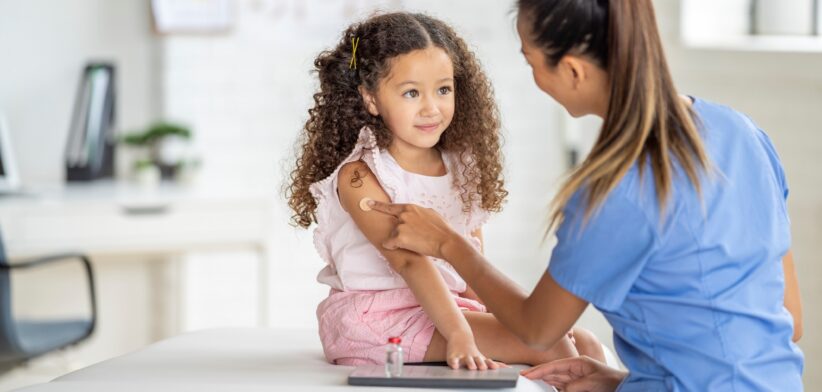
x,y
585,86
574,70
369,101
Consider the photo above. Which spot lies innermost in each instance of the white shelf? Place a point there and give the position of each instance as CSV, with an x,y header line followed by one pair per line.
x,y
725,25
753,43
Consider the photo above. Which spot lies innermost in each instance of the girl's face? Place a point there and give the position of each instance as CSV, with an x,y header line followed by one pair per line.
x,y
416,98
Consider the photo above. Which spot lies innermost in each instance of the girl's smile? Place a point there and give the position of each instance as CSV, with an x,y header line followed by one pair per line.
x,y
428,128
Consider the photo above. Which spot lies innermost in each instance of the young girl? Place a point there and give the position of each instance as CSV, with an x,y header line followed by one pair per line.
x,y
404,114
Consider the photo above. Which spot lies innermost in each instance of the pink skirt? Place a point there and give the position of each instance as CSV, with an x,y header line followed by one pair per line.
x,y
355,325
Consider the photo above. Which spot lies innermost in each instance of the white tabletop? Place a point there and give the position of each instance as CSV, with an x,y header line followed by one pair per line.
x,y
235,359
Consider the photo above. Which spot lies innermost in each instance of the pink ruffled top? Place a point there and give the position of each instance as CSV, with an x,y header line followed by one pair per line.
x,y
353,263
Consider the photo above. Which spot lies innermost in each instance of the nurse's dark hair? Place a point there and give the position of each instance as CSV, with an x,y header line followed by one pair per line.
x,y
647,121
338,114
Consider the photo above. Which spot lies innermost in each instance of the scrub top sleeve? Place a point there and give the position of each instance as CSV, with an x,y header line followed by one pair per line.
x,y
776,163
773,157
600,261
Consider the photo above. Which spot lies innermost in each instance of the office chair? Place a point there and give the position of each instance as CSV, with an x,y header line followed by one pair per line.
x,y
21,340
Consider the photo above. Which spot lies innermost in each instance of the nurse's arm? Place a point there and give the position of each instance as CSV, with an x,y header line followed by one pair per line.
x,y
469,292
540,319
792,300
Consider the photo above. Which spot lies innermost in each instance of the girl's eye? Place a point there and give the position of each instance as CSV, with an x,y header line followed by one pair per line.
x,y
411,94
445,90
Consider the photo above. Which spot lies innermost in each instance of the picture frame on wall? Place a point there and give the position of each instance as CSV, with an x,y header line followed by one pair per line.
x,y
192,16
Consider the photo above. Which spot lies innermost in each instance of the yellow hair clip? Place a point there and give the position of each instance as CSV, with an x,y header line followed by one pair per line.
x,y
354,44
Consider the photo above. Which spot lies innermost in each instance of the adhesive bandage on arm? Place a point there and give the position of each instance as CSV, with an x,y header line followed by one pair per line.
x,y
364,204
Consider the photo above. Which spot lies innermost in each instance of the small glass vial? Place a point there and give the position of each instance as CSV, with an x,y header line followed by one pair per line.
x,y
393,358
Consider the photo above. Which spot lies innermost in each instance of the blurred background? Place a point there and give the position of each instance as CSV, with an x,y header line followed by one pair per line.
x,y
202,101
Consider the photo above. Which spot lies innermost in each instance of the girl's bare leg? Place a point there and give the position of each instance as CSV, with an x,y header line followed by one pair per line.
x,y
497,342
588,344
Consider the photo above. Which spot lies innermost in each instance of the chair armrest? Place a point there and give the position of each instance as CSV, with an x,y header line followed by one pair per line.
x,y
64,257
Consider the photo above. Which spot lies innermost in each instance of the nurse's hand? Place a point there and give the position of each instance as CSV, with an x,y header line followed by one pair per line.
x,y
417,229
577,374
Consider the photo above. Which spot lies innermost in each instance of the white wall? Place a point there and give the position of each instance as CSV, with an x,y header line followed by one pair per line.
x,y
45,45
247,93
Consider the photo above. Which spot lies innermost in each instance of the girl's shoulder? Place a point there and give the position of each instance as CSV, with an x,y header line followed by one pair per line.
x,y
365,154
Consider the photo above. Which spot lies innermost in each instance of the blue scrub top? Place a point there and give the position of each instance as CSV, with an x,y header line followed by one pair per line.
x,y
695,299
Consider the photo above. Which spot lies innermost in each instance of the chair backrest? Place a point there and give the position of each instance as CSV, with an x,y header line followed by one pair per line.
x,y
9,348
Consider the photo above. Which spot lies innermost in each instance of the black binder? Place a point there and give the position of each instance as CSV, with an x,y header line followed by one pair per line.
x,y
92,140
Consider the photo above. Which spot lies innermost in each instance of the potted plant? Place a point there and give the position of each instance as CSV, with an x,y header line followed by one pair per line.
x,y
159,147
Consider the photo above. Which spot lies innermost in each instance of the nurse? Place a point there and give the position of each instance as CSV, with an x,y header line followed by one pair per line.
x,y
674,227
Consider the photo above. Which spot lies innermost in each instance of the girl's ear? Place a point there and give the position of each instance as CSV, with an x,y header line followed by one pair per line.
x,y
369,101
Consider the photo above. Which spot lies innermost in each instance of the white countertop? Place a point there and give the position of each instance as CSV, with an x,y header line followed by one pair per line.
x,y
233,359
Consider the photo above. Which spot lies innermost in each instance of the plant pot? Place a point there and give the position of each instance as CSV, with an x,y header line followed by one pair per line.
x,y
168,172
147,176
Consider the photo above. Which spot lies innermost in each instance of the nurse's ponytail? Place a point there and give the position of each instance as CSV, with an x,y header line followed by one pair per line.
x,y
646,121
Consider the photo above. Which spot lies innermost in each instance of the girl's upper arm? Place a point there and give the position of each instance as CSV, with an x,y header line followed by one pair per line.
x,y
478,235
355,181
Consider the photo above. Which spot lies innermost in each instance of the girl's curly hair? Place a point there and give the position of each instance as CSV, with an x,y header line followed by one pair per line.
x,y
339,113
